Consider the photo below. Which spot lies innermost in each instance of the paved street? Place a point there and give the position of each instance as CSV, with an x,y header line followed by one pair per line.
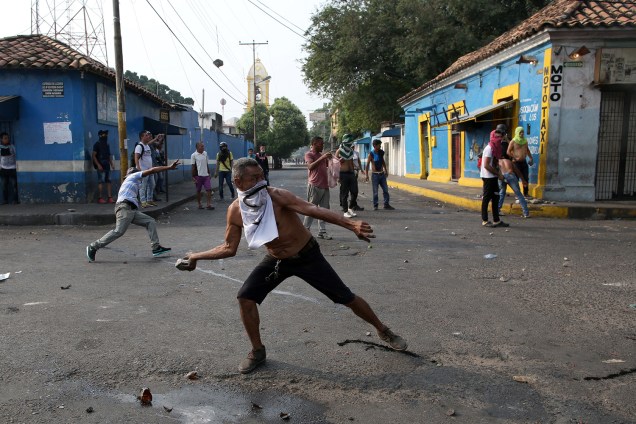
x,y
545,332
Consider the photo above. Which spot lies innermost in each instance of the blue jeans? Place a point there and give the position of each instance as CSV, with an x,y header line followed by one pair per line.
x,y
512,180
227,177
379,179
146,192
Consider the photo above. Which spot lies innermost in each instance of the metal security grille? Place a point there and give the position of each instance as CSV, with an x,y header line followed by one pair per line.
x,y
616,160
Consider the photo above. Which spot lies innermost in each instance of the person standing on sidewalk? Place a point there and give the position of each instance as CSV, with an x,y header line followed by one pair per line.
x,y
143,162
490,175
127,212
518,150
317,183
379,174
8,170
201,174
103,163
269,216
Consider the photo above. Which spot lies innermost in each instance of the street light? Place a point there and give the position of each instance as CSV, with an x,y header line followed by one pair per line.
x,y
267,78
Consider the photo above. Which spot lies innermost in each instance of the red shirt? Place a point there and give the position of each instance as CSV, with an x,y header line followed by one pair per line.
x,y
318,176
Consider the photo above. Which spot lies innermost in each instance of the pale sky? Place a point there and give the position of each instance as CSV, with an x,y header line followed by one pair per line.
x,y
212,29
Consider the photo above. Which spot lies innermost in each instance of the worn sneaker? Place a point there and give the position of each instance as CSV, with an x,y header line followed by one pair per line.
x,y
352,213
90,253
358,208
348,215
486,224
324,236
389,207
160,250
396,342
375,208
500,224
253,360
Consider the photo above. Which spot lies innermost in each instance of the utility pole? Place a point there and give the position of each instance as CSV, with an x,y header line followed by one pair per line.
x,y
121,100
253,44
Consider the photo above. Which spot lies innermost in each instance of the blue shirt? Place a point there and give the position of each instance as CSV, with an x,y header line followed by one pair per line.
x,y
130,188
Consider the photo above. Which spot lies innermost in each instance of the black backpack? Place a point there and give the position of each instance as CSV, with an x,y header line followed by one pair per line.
x,y
132,155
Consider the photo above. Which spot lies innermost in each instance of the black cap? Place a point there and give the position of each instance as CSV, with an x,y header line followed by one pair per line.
x,y
501,128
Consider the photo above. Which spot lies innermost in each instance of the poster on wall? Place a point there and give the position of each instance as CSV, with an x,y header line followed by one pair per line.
x,y
57,133
616,66
106,104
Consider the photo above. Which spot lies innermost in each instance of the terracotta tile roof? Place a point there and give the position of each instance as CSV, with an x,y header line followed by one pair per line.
x,y
558,14
43,52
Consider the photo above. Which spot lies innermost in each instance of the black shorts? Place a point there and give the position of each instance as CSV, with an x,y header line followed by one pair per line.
x,y
309,265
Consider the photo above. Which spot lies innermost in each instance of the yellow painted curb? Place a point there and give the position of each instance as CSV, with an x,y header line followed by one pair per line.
x,y
543,210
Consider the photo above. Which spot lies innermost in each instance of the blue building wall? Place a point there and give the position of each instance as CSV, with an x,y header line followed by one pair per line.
x,y
482,88
61,171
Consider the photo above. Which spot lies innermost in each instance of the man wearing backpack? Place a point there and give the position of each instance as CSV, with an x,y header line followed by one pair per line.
x,y
143,162
127,212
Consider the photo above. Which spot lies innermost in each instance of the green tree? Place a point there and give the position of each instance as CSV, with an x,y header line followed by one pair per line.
x,y
288,131
365,54
282,128
245,124
161,90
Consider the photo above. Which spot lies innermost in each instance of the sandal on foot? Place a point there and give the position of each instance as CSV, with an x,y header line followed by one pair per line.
x,y
210,208
500,224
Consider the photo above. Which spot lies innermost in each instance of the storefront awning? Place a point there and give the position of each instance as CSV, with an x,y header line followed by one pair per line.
x,y
158,127
393,132
363,140
475,114
9,108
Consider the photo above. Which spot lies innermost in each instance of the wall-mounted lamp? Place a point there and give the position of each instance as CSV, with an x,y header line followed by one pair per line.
x,y
527,59
461,86
581,51
218,63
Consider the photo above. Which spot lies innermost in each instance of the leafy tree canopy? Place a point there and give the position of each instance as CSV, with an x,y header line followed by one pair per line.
x,y
365,54
282,127
161,90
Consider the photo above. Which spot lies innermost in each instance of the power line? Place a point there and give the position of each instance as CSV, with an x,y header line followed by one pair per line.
x,y
206,52
281,16
265,12
190,54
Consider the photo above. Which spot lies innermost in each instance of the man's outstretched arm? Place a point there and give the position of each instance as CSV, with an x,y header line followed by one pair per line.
x,y
359,228
227,249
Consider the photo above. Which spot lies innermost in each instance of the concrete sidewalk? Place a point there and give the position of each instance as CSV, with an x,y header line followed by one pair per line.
x,y
88,213
470,198
180,193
